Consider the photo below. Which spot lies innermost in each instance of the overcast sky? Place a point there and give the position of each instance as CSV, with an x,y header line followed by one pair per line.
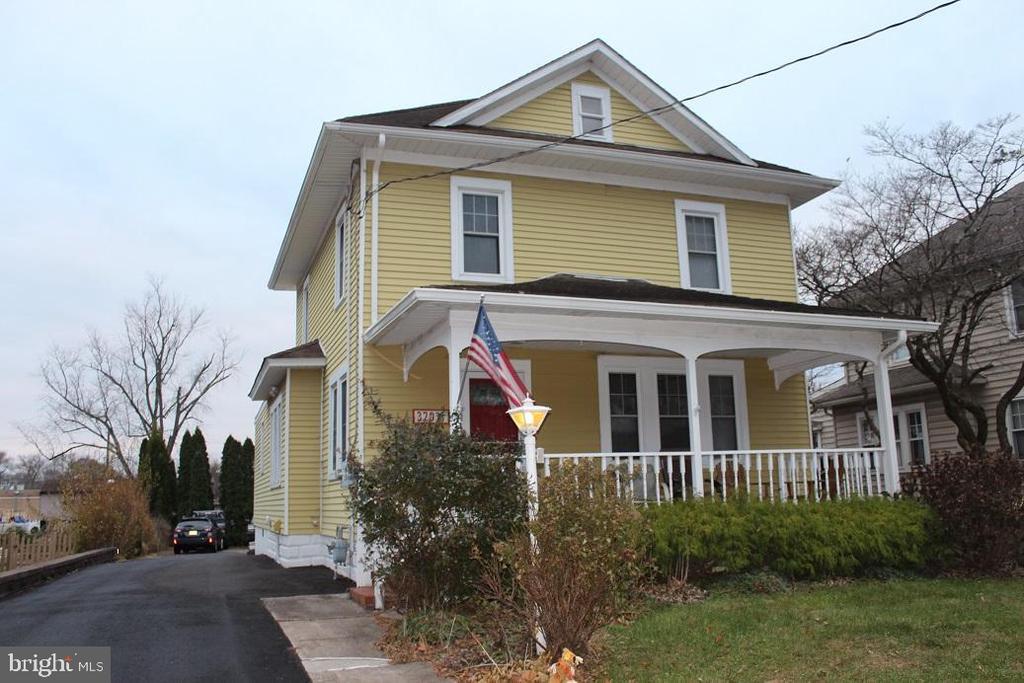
x,y
171,138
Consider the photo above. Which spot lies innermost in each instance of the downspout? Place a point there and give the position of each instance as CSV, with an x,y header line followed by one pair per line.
x,y
901,340
361,290
374,227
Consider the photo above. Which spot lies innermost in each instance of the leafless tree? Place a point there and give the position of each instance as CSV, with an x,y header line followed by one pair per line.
x,y
29,470
5,466
107,394
929,236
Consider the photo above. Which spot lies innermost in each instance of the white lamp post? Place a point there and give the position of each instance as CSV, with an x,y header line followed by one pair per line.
x,y
528,418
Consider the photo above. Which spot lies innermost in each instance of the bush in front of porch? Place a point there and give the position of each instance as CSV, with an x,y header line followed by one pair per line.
x,y
703,537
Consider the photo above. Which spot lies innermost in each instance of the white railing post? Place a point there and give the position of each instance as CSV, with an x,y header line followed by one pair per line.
x,y
692,395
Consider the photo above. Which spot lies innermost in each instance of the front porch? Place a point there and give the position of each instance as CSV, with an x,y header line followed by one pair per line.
x,y
684,393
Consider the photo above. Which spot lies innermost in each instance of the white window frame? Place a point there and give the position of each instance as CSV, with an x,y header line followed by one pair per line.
x,y
340,230
1009,422
647,370
338,379
686,207
522,366
604,94
461,185
276,437
1011,315
304,311
900,413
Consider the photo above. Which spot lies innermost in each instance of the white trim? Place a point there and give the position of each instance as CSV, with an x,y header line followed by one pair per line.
x,y
522,366
685,207
603,94
265,380
340,378
340,241
361,312
1009,423
502,189
899,412
277,436
598,177
375,228
1011,314
528,94
647,369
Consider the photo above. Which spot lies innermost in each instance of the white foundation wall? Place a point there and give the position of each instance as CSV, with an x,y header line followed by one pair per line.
x,y
306,550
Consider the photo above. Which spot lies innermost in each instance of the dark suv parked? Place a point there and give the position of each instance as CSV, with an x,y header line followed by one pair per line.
x,y
197,533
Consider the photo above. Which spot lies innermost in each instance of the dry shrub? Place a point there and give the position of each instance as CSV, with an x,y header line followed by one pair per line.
x,y
109,512
583,566
979,499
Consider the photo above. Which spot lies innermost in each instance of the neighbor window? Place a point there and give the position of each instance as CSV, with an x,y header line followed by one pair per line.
x,y
1017,307
591,107
703,250
909,430
339,256
481,229
276,417
338,427
1017,426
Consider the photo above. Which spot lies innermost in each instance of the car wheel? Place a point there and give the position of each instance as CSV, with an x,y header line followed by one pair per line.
x,y
177,551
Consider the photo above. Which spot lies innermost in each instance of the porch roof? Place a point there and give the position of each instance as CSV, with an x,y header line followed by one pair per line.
x,y
276,365
687,322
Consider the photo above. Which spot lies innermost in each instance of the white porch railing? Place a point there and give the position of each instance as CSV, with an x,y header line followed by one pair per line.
x,y
774,475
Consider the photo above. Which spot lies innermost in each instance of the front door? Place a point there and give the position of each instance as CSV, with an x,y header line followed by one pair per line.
x,y
487,416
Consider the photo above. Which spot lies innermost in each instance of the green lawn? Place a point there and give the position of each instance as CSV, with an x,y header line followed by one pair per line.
x,y
907,630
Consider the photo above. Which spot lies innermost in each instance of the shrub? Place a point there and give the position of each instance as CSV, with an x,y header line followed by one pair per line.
x,y
697,538
585,559
432,504
980,502
111,512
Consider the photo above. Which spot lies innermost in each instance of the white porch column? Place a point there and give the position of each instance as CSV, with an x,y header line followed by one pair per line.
x,y
693,399
454,379
883,398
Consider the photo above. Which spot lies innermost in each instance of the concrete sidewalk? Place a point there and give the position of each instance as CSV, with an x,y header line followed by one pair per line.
x,y
335,639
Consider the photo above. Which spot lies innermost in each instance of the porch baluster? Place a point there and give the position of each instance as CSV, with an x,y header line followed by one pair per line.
x,y
771,478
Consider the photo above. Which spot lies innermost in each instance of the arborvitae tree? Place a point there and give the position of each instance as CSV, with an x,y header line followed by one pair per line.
x,y
248,478
162,478
201,492
145,468
232,491
184,475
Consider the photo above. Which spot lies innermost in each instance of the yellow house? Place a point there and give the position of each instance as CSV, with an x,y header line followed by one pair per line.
x,y
636,264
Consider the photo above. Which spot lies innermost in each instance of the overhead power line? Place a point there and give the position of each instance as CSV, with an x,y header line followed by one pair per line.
x,y
571,138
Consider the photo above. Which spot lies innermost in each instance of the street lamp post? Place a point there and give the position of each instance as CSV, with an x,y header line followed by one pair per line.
x,y
529,418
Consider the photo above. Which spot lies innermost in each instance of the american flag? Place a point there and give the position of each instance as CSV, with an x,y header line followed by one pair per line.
x,y
485,350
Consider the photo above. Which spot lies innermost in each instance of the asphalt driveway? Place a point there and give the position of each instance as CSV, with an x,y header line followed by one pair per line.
x,y
195,617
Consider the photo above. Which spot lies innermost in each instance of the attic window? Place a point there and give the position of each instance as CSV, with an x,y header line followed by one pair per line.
x,y
591,112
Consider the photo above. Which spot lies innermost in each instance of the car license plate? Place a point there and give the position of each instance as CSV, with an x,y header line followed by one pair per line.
x,y
193,532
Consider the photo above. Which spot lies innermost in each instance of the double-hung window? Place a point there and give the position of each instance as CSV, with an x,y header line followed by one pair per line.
x,y
1016,307
1016,425
624,412
591,112
338,427
339,256
909,429
276,420
481,216
703,246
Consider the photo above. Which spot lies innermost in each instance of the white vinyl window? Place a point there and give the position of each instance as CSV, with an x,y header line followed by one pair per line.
x,y
910,428
1016,426
338,425
703,246
591,112
304,312
1015,304
276,420
481,217
339,256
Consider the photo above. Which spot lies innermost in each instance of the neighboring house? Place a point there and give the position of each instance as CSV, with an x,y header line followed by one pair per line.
x,y
34,504
641,277
919,420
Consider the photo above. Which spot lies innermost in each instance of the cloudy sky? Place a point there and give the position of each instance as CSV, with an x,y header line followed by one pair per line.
x,y
171,138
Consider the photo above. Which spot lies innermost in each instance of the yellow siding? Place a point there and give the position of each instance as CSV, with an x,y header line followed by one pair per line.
x,y
577,227
778,419
268,503
304,391
551,113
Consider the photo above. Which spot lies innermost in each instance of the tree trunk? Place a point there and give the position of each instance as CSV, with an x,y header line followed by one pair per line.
x,y
1002,407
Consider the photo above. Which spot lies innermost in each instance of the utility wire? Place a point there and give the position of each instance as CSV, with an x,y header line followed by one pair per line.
x,y
571,138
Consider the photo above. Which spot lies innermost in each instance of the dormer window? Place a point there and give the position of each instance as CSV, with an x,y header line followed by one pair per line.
x,y
591,112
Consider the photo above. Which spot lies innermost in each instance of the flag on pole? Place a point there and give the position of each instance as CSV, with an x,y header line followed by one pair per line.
x,y
485,350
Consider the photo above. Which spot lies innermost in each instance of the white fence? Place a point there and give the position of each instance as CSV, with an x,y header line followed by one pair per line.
x,y
775,475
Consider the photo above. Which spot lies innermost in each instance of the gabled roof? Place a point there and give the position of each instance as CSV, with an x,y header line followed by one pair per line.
x,y
617,71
